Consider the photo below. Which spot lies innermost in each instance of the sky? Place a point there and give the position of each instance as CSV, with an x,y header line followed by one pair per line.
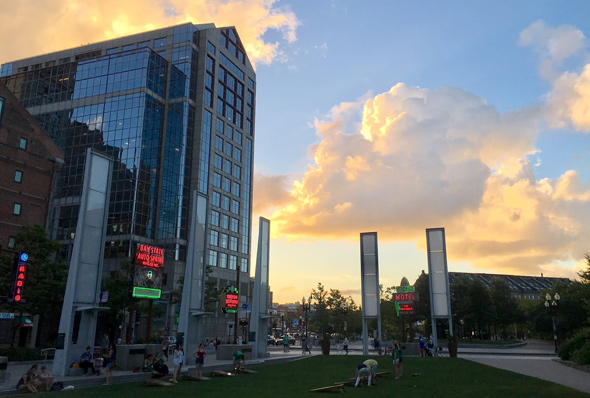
x,y
390,117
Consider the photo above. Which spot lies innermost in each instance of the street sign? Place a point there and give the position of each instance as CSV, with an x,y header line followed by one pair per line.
x,y
405,289
247,307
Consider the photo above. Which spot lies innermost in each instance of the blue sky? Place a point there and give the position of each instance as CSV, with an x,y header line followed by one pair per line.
x,y
394,117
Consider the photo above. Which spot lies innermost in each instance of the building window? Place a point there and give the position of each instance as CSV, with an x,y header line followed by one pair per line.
x,y
23,143
212,258
216,199
215,218
223,241
225,221
233,243
223,260
159,42
214,240
1,104
235,225
11,242
17,209
233,262
18,176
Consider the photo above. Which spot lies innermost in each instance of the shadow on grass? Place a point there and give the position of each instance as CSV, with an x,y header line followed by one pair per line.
x,y
439,377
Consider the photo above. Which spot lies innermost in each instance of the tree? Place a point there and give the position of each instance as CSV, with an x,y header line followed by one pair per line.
x,y
506,306
320,299
45,281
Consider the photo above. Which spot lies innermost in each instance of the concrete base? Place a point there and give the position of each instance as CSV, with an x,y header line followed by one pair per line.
x,y
226,351
132,355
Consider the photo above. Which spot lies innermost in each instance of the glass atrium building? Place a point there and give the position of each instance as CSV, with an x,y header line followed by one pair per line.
x,y
175,109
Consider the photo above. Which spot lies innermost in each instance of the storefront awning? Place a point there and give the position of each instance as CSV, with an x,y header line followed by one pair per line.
x,y
23,321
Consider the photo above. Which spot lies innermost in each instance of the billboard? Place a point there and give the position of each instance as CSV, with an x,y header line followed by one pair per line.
x,y
149,272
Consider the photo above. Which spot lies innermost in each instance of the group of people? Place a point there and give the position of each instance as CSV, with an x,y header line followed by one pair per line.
x,y
179,359
108,360
35,380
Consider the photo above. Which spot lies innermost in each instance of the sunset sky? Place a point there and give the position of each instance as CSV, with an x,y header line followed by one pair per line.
x,y
391,117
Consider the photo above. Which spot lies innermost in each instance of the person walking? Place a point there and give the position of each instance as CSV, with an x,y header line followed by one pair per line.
x,y
345,345
200,354
165,346
303,344
285,343
397,359
177,361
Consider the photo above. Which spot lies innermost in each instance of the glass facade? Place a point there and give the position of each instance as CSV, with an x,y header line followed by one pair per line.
x,y
146,101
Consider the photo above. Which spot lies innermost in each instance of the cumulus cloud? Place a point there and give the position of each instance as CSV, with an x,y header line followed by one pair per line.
x,y
426,158
554,45
58,24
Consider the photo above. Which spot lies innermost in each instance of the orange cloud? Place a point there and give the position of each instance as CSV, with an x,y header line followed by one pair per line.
x,y
59,24
423,158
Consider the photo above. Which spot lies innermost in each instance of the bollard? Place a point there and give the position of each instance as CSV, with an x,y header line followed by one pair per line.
x,y
3,367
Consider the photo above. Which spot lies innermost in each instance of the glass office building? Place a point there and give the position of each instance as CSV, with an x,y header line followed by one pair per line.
x,y
175,110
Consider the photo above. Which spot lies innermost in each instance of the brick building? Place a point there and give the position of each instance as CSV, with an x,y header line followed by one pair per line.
x,y
29,160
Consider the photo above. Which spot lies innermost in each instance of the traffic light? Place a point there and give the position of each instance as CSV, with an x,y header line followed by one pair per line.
x,y
302,323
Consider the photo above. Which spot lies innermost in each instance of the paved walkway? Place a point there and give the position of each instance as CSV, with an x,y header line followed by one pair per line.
x,y
534,359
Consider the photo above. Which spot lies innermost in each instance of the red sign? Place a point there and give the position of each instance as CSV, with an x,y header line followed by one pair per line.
x,y
406,297
21,272
149,256
232,301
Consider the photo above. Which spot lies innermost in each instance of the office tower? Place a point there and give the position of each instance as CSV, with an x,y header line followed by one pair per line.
x,y
174,108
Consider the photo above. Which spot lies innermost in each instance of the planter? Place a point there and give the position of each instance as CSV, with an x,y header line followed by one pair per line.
x,y
325,346
452,345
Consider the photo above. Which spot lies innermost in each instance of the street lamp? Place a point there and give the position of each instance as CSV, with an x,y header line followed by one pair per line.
x,y
306,308
552,305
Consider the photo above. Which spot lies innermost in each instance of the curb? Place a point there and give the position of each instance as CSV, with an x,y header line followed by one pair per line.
x,y
577,366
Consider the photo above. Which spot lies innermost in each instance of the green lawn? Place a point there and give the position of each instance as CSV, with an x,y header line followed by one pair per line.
x,y
440,377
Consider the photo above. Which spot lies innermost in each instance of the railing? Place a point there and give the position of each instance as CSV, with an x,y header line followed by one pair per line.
x,y
48,353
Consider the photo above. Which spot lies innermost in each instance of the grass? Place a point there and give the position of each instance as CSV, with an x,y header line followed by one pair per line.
x,y
440,377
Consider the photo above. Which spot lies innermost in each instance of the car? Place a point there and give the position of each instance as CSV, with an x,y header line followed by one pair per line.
x,y
271,340
291,340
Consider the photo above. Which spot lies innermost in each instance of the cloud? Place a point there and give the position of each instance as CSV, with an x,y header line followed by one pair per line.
x,y
412,158
568,105
554,45
54,25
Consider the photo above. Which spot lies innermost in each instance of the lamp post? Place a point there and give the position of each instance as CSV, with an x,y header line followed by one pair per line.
x,y
306,308
552,305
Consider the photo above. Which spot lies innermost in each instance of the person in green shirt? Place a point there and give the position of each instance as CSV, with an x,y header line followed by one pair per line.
x,y
397,359
239,360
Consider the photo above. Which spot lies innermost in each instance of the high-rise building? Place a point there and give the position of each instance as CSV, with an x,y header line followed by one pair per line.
x,y
174,108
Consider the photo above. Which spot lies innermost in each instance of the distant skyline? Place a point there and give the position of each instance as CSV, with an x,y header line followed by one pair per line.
x,y
391,117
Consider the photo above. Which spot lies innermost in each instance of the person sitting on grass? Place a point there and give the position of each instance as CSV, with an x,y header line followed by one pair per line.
x,y
27,381
44,380
239,360
148,364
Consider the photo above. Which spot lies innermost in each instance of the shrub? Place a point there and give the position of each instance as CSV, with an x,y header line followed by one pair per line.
x,y
21,354
582,354
569,347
